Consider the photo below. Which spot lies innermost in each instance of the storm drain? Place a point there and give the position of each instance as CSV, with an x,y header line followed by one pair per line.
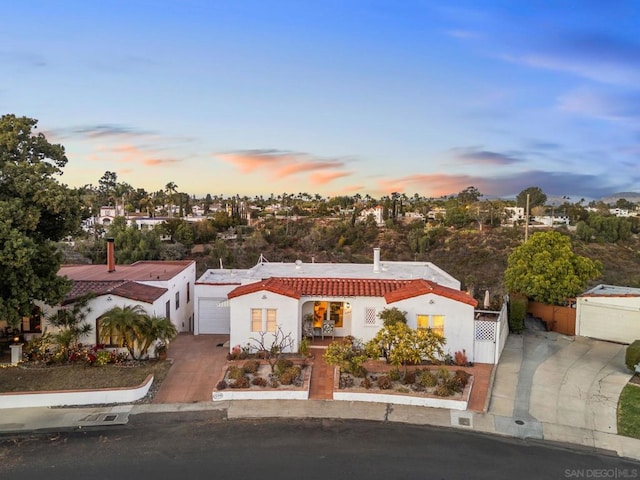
x,y
101,418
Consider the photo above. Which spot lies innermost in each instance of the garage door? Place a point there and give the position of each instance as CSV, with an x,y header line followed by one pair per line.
x,y
211,317
610,322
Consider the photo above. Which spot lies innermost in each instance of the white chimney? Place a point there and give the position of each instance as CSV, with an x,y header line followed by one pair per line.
x,y
376,260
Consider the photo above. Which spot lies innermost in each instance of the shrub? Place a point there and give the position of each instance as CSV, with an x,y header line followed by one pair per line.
x,y
394,374
102,358
358,371
282,365
242,382
304,347
517,312
632,356
409,378
427,379
443,374
251,366
274,383
259,381
460,358
346,381
290,375
463,376
384,382
442,391
366,383
416,387
234,373
221,385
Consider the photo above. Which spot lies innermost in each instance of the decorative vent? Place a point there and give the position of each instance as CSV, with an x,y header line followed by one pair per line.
x,y
370,317
485,330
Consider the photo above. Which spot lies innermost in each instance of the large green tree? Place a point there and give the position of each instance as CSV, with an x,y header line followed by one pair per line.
x,y
537,198
546,269
35,212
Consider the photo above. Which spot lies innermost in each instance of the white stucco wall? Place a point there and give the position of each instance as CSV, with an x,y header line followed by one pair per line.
x,y
185,280
99,306
287,317
458,323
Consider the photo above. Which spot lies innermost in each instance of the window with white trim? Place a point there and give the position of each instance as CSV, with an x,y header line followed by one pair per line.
x,y
434,322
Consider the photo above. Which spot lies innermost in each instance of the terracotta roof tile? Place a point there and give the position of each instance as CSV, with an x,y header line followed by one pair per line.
x,y
131,290
391,290
415,288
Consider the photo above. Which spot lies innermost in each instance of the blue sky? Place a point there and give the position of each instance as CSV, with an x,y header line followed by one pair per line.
x,y
333,97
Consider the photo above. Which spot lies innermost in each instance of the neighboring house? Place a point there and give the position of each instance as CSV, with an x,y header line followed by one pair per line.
x,y
376,212
162,288
514,214
349,297
609,312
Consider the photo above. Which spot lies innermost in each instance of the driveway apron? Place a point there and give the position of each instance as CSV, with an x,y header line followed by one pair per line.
x,y
198,362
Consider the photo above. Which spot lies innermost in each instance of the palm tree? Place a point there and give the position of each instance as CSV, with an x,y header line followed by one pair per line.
x,y
156,329
171,188
126,324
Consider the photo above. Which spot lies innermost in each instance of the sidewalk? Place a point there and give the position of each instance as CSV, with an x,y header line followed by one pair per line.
x,y
546,387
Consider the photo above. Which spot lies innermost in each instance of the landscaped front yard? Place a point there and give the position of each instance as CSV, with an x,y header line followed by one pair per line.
x,y
26,378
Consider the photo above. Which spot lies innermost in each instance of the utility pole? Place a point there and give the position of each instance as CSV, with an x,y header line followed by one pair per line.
x,y
526,225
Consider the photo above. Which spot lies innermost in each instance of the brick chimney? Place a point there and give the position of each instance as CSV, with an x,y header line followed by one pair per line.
x,y
111,255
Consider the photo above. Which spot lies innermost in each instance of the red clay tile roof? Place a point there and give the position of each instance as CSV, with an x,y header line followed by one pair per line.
x,y
416,288
391,290
122,288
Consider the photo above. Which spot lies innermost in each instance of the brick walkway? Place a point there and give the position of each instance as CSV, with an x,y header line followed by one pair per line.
x,y
321,376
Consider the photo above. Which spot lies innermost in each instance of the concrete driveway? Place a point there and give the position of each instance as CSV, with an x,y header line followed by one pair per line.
x,y
546,381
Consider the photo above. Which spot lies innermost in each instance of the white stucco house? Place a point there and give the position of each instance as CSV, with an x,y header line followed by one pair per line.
x,y
162,288
347,297
609,312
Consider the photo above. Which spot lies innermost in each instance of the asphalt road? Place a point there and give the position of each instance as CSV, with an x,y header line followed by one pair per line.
x,y
203,445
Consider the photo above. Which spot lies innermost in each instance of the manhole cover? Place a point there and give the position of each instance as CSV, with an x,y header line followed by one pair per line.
x,y
519,422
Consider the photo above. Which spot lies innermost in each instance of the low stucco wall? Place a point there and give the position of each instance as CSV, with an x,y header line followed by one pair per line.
x,y
75,397
301,393
400,399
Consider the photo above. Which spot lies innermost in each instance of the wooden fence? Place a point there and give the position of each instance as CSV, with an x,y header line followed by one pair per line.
x,y
557,319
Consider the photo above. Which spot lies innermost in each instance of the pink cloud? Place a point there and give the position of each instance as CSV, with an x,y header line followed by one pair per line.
x,y
282,164
434,185
322,178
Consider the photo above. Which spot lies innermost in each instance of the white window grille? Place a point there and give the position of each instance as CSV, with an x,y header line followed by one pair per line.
x,y
369,317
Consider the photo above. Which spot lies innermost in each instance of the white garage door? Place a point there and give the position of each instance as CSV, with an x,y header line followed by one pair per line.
x,y
211,317
615,324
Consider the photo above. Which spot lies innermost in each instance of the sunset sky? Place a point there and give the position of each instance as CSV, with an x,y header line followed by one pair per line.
x,y
333,96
